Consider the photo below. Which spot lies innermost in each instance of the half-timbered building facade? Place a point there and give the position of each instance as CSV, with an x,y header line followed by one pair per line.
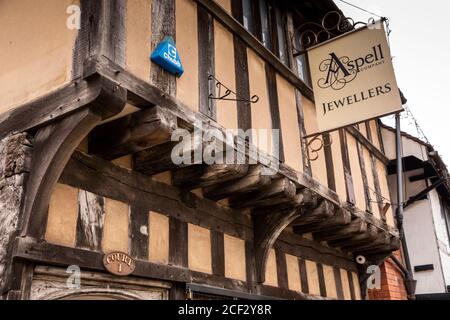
x,y
86,121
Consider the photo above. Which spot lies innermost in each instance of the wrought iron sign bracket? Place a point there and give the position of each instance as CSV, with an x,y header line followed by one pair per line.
x,y
314,144
222,92
333,24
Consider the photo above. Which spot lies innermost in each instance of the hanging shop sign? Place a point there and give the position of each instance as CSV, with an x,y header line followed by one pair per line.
x,y
166,56
353,78
119,263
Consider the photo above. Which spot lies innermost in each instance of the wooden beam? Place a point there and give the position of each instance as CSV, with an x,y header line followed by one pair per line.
x,y
382,239
267,228
324,211
366,143
53,146
139,217
163,24
313,250
60,103
178,242
146,95
340,218
242,84
369,236
132,133
252,181
274,107
105,179
203,175
303,200
206,62
350,190
393,245
44,253
279,191
91,215
356,227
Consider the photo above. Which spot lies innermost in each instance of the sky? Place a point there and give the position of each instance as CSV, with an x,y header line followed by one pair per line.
x,y
420,46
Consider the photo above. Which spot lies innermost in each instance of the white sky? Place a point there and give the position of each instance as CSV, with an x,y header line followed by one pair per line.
x,y
420,45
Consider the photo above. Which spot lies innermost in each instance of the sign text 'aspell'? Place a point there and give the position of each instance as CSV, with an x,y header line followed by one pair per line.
x,y
353,78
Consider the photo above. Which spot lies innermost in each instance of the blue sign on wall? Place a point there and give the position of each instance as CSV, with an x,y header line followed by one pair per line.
x,y
166,56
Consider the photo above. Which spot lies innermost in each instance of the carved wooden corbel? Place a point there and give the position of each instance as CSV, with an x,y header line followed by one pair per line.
x,y
55,143
267,228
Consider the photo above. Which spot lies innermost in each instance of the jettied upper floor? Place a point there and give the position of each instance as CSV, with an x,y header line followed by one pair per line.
x,y
85,113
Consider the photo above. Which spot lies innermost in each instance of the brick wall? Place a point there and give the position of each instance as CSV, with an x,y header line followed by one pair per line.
x,y
392,283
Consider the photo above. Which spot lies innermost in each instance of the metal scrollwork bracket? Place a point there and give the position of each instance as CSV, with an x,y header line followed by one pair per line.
x,y
314,144
222,92
333,24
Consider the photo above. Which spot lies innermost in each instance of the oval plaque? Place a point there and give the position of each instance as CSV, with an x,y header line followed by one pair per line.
x,y
119,263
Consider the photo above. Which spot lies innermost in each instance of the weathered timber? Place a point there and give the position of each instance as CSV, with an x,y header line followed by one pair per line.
x,y
242,83
364,141
350,190
253,180
267,228
362,164
339,285
274,106
139,226
303,275
178,242
303,200
91,215
369,236
53,145
163,24
60,103
217,253
144,95
279,191
382,239
102,33
41,252
282,275
356,227
324,211
132,133
155,160
340,218
206,62
322,285
207,175
306,249
393,245
103,178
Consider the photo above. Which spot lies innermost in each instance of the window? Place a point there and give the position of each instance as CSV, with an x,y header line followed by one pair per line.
x,y
249,21
265,24
281,36
266,21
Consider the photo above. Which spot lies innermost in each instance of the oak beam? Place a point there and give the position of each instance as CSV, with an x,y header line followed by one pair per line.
x,y
207,175
132,133
279,191
255,179
356,227
340,218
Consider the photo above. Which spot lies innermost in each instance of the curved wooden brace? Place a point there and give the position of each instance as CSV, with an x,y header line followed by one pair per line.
x,y
267,228
53,146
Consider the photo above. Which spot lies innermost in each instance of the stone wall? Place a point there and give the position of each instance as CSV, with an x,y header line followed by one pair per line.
x,y
15,156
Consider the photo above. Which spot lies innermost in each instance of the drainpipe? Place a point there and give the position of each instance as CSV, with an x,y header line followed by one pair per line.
x,y
410,283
